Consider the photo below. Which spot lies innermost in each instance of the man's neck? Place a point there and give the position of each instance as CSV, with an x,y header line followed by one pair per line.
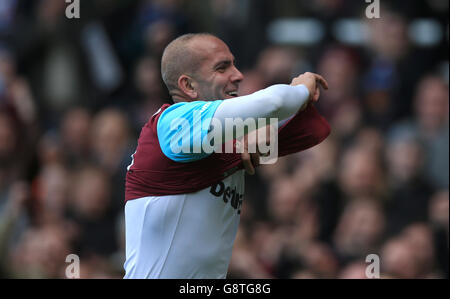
x,y
178,96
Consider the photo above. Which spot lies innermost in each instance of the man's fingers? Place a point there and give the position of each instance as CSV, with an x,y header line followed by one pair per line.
x,y
316,94
255,159
322,81
247,161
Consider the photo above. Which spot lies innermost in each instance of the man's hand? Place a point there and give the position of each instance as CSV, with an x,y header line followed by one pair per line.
x,y
312,82
251,160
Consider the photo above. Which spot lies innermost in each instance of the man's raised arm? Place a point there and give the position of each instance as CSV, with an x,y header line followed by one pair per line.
x,y
279,101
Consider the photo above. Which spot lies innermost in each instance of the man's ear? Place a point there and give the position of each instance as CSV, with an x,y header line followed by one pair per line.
x,y
185,84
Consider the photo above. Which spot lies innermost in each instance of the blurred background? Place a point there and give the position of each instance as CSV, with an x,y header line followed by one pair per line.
x,y
74,94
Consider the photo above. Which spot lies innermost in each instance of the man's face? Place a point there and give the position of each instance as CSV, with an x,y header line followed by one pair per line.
x,y
217,76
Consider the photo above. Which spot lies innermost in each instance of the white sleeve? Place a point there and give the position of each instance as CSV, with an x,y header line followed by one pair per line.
x,y
277,101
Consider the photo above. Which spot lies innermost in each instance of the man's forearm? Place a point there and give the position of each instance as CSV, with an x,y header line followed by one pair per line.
x,y
277,101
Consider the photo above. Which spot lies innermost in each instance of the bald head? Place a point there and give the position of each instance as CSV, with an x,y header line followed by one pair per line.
x,y
199,67
181,57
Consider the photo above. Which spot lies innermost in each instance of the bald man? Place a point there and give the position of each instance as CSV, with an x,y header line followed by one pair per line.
x,y
182,207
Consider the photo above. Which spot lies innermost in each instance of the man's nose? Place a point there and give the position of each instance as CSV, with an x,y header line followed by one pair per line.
x,y
237,76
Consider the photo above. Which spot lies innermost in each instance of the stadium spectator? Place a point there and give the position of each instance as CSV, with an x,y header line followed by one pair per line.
x,y
410,191
74,136
110,145
90,208
438,216
41,253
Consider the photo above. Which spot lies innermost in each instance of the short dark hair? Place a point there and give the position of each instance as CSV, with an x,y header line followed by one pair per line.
x,y
178,58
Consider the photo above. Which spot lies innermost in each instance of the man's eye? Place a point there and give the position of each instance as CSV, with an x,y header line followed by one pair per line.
x,y
221,69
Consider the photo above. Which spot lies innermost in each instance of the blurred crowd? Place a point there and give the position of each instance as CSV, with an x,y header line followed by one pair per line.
x,y
74,94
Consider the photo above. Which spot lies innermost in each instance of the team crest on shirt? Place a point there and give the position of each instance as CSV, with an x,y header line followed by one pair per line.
x,y
228,194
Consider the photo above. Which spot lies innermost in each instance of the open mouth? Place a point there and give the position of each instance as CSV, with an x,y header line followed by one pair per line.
x,y
232,93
